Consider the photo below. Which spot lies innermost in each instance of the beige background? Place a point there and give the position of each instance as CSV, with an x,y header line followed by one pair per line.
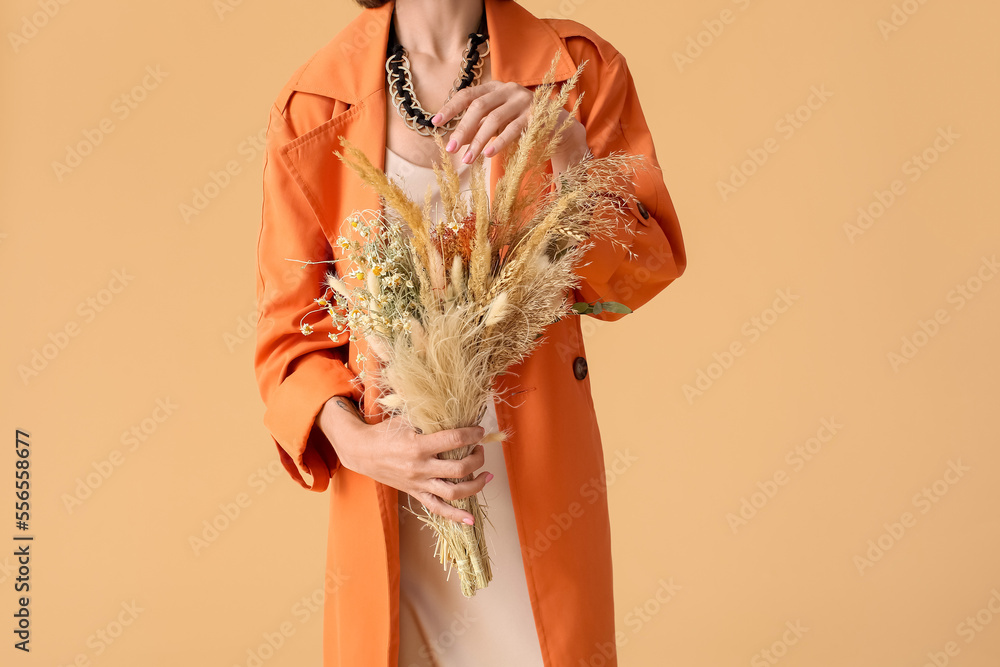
x,y
695,584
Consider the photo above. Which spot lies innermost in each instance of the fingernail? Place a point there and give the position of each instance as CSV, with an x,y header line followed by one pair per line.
x,y
488,151
489,476
451,146
467,158
468,521
436,118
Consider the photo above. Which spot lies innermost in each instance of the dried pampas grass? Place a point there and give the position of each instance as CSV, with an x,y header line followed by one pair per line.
x,y
454,303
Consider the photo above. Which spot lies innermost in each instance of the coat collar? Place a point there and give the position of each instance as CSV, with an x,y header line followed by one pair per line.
x,y
350,67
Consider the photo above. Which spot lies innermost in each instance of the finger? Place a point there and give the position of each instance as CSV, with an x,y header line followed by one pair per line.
x,y
496,120
458,468
475,112
459,101
441,508
506,137
457,490
450,108
432,444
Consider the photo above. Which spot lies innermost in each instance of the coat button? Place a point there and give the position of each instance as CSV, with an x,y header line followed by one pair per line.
x,y
580,368
642,210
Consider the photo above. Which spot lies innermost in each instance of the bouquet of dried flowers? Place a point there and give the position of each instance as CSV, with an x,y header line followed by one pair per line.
x,y
450,305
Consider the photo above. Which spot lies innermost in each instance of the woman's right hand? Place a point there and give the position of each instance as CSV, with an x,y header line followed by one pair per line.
x,y
393,453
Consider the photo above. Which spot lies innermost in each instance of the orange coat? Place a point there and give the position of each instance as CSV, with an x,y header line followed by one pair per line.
x,y
554,458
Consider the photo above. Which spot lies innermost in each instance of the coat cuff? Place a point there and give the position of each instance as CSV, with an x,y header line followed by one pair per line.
x,y
291,417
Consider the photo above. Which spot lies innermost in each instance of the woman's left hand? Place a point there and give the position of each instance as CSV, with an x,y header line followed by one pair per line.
x,y
500,111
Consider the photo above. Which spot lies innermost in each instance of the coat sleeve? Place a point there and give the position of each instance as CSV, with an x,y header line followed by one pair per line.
x,y
296,373
615,122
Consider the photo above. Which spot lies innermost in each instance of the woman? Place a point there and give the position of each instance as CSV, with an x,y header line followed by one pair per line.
x,y
329,432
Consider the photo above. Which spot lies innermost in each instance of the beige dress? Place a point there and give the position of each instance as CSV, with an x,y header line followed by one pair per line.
x,y
438,626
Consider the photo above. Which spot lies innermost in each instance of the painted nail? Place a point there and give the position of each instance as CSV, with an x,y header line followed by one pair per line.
x,y
436,118
468,521
488,151
467,158
452,145
489,476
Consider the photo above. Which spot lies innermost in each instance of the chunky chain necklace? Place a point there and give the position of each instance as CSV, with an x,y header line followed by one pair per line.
x,y
397,67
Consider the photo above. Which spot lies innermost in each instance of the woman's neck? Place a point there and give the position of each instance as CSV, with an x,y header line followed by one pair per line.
x,y
437,28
